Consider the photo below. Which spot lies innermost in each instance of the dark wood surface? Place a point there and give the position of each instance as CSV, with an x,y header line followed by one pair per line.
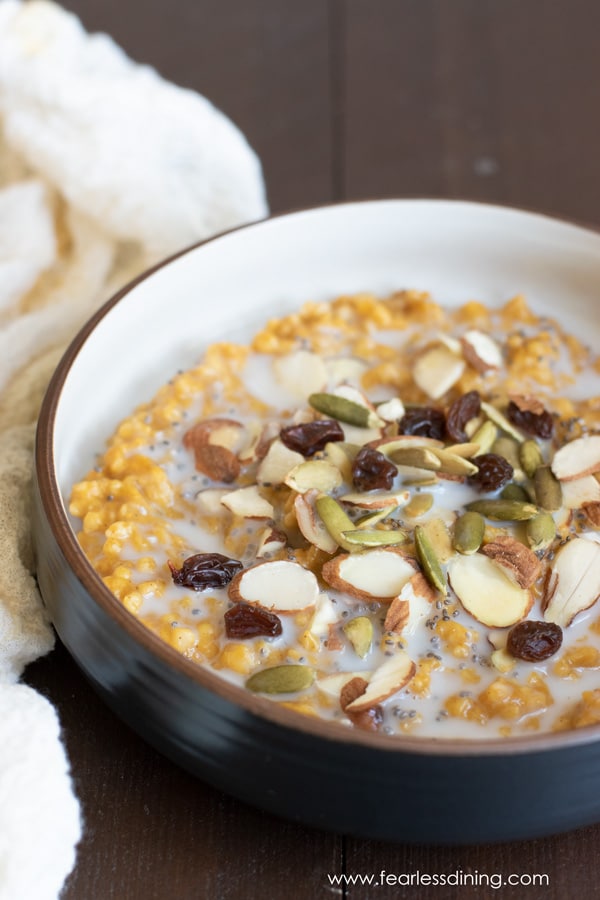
x,y
492,100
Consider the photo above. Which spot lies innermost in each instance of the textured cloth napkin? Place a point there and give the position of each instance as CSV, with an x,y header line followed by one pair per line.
x,y
104,169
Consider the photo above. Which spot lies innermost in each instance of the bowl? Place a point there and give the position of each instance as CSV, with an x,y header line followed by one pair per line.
x,y
306,769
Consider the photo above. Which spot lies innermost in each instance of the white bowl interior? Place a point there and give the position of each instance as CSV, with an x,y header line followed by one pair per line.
x,y
457,251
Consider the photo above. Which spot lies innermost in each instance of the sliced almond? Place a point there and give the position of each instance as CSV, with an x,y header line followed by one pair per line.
x,y
502,661
301,372
325,615
353,434
453,344
411,606
352,690
341,455
437,371
481,351
592,513
498,638
219,431
277,463
248,503
388,679
345,370
574,584
213,459
376,499
310,523
278,585
372,575
528,403
578,458
332,685
209,501
397,615
259,439
518,561
486,592
270,540
580,491
391,410
314,474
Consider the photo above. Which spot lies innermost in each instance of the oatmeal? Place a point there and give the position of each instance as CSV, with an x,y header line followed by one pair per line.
x,y
379,511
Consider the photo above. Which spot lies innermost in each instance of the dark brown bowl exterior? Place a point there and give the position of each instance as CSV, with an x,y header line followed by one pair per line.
x,y
312,771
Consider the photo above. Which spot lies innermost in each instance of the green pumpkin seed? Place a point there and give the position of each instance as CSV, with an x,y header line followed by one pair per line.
x,y
540,531
452,464
344,410
417,457
514,491
501,421
429,561
548,492
418,505
485,436
530,457
335,520
367,522
359,632
359,538
504,510
468,532
509,449
281,680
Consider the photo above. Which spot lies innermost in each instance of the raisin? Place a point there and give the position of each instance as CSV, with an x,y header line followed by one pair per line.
x,y
424,421
310,437
245,621
372,471
205,570
494,472
534,641
539,424
462,410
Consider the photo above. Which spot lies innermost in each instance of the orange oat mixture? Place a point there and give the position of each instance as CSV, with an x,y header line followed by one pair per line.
x,y
379,511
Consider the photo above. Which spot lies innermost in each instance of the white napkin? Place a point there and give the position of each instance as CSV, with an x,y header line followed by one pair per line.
x,y
104,169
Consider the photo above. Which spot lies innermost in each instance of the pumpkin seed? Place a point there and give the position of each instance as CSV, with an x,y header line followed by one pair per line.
x,y
530,457
485,436
509,449
429,561
418,457
366,522
452,464
360,538
504,510
359,632
418,505
501,421
540,531
468,532
514,491
548,492
344,410
281,680
335,520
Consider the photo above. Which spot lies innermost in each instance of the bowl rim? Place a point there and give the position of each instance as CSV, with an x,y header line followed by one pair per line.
x,y
263,708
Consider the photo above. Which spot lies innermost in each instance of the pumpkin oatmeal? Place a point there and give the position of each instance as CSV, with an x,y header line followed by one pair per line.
x,y
379,511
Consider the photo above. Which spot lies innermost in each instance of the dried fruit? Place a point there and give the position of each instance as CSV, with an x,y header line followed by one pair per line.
x,y
530,457
486,592
548,492
310,437
429,560
373,575
244,621
279,584
504,510
424,421
540,424
281,680
462,411
359,632
534,641
468,532
493,472
346,410
205,570
371,470
540,531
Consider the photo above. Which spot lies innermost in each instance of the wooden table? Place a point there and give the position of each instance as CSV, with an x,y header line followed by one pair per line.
x,y
493,100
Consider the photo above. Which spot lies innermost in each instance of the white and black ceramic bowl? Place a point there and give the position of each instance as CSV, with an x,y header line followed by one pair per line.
x,y
306,769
